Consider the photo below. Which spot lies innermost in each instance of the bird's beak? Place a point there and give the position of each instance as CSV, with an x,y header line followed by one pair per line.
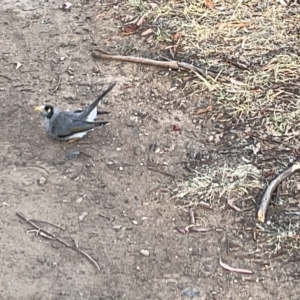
x,y
39,108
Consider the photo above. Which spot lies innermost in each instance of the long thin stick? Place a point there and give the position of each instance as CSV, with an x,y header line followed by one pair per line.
x,y
172,64
271,188
22,216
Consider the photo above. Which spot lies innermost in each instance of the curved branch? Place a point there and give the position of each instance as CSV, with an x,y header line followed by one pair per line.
x,y
271,188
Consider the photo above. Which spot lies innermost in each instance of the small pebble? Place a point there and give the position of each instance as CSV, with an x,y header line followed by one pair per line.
x,y
41,259
121,169
139,149
42,181
79,200
145,252
82,216
134,222
190,292
72,154
117,227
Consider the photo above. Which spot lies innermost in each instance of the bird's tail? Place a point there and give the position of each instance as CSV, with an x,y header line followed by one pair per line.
x,y
90,108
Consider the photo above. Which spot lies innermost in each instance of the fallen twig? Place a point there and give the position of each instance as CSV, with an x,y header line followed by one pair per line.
x,y
171,64
271,188
161,172
193,227
20,215
192,217
45,222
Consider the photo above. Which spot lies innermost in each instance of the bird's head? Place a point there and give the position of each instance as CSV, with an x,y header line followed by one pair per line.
x,y
46,110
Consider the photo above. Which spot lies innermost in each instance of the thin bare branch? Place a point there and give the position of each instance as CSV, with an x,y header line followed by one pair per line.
x,y
261,215
22,216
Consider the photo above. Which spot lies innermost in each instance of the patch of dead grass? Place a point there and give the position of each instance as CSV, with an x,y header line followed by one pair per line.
x,y
262,36
255,46
280,237
210,184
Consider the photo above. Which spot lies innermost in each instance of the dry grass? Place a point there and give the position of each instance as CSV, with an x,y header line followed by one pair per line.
x,y
210,184
280,237
254,46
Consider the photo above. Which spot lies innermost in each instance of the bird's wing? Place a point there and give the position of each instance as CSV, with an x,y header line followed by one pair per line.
x,y
66,124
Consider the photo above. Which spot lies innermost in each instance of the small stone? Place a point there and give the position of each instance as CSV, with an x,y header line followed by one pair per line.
x,y
72,154
145,252
69,95
41,259
78,31
42,181
119,149
19,65
139,149
134,222
82,216
79,200
117,227
138,268
121,169
190,292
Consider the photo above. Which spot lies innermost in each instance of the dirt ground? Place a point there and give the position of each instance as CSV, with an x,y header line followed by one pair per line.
x,y
120,181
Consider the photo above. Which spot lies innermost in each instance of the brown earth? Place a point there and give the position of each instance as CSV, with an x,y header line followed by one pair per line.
x,y
126,202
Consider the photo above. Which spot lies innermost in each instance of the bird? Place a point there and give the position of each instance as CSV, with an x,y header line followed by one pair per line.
x,y
72,125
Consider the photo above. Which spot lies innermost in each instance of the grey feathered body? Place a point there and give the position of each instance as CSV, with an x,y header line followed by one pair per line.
x,y
66,125
62,122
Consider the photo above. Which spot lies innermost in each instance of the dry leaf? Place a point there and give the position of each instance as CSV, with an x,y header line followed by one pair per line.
x,y
181,229
176,127
203,110
153,5
140,21
82,216
210,4
130,29
146,32
66,5
226,267
176,36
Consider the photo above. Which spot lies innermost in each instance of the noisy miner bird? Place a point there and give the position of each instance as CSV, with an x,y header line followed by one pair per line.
x,y
72,125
